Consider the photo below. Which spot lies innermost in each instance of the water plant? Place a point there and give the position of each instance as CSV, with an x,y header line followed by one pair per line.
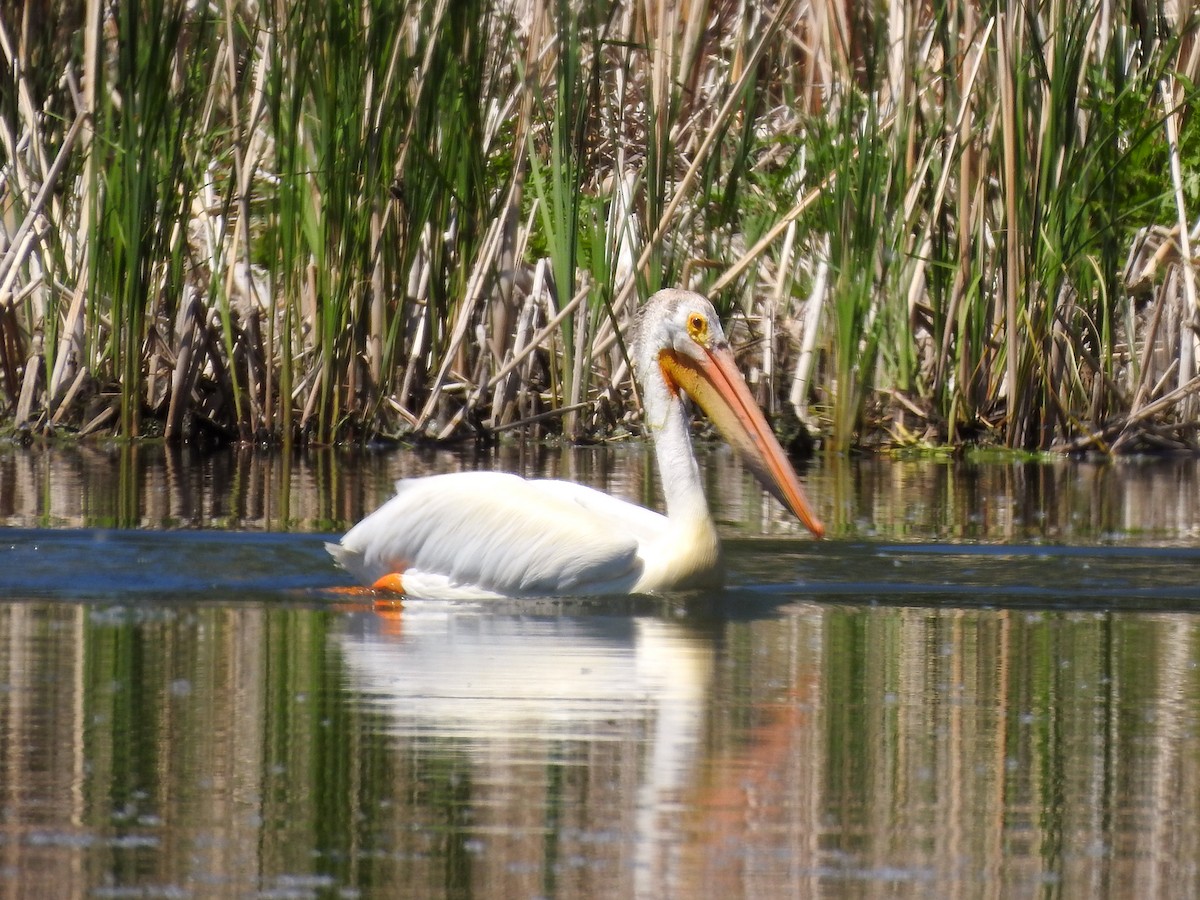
x,y
960,223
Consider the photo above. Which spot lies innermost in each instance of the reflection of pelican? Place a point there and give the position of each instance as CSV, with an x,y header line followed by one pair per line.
x,y
489,534
519,694
454,672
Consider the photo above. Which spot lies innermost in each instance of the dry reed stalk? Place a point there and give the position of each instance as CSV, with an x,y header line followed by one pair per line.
x,y
1123,427
571,419
248,148
661,41
553,353
99,421
312,382
158,372
26,106
959,138
1190,339
667,219
771,313
19,252
1056,366
308,302
68,399
475,285
1005,51
547,331
1149,343
11,351
744,261
21,242
376,335
70,344
970,206
966,211
505,385
802,374
418,297
514,243
623,232
376,331
545,416
30,384
505,389
250,351
183,378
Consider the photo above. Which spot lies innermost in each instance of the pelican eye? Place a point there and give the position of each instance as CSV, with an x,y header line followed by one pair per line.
x,y
697,326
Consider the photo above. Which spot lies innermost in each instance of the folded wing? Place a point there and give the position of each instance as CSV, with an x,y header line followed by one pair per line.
x,y
502,534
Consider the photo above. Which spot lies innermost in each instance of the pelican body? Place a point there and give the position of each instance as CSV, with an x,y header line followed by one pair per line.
x,y
476,535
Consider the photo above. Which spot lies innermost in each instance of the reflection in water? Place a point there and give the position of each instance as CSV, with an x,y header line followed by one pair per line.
x,y
945,702
969,753
326,490
518,696
242,749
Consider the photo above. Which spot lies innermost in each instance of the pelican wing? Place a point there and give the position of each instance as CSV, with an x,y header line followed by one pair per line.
x,y
499,533
617,514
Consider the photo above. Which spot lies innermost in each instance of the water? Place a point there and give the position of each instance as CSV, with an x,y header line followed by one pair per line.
x,y
986,683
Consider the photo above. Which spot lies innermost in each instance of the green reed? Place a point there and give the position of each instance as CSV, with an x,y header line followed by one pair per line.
x,y
1075,127
347,196
148,165
381,152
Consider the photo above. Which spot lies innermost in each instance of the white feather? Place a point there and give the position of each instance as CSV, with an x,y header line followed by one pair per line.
x,y
499,533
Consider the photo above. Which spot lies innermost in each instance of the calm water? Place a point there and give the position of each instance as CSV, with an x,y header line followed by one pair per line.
x,y
986,683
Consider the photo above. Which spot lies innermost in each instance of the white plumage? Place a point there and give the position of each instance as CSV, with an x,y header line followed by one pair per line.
x,y
492,534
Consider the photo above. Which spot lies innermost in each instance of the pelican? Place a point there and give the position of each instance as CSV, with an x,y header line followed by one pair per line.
x,y
481,535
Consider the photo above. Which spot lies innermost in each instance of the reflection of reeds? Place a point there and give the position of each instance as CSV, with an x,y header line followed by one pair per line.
x,y
302,220
153,486
228,743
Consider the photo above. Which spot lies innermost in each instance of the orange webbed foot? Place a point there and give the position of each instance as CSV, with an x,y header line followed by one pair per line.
x,y
391,582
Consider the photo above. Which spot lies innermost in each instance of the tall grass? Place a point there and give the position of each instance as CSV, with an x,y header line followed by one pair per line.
x,y
926,225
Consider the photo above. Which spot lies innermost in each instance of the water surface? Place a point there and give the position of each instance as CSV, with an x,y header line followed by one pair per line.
x,y
986,683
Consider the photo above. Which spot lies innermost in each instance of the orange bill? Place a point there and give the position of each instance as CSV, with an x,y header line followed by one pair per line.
x,y
715,383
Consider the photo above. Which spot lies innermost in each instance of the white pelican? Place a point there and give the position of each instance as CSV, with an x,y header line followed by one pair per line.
x,y
476,535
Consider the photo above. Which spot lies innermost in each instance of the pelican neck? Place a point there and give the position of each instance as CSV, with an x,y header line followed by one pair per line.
x,y
670,429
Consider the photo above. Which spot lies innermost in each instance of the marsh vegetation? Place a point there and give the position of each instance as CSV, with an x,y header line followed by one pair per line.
x,y
932,224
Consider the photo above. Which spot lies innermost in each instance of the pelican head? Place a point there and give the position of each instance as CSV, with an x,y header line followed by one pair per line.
x,y
679,345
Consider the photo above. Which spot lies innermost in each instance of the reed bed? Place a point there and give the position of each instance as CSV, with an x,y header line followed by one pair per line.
x,y
927,224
